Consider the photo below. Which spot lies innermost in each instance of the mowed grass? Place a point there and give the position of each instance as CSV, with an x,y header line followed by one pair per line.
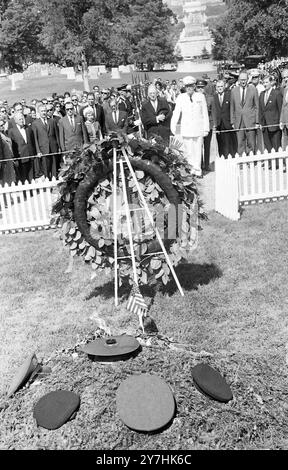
x,y
235,308
44,86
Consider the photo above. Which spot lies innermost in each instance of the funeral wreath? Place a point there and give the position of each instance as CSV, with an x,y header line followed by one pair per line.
x,y
84,209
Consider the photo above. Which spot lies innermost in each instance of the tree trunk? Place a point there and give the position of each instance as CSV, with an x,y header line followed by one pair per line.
x,y
85,73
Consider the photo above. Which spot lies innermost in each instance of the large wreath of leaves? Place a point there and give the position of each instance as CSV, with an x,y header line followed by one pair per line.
x,y
79,164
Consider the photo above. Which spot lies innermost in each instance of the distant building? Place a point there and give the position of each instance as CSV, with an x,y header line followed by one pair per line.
x,y
195,37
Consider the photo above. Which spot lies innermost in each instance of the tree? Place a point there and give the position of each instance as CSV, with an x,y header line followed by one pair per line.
x,y
74,32
251,27
154,32
19,34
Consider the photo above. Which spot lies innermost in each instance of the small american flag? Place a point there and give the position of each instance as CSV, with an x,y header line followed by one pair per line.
x,y
136,304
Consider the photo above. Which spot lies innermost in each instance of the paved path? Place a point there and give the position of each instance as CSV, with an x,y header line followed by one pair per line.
x,y
207,191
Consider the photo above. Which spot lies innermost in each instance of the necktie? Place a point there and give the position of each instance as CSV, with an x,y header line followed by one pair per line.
x,y
266,97
221,99
114,117
243,97
72,123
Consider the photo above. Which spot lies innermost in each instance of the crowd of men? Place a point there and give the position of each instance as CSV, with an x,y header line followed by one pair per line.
x,y
248,112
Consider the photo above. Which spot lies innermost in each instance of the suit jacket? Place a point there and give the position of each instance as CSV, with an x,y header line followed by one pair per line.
x,y
221,114
209,102
148,118
12,123
284,109
7,171
122,123
71,138
46,139
270,113
19,146
249,113
100,116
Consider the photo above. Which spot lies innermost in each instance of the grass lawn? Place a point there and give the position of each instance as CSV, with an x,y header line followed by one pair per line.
x,y
235,309
41,87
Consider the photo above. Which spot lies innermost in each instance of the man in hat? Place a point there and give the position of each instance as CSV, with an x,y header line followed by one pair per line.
x,y
244,110
191,107
156,115
123,103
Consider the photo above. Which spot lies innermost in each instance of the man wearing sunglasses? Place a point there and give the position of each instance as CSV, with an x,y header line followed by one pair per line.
x,y
75,102
72,130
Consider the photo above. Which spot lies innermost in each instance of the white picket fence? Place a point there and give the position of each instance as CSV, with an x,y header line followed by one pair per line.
x,y
249,179
25,207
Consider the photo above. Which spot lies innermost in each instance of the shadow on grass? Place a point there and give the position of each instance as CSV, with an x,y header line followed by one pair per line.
x,y
190,277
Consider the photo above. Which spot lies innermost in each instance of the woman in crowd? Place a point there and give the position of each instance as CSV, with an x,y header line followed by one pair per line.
x,y
91,124
57,111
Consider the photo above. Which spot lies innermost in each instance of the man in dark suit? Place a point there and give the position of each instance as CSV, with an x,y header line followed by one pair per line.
x,y
201,87
72,130
244,114
47,142
115,121
227,142
270,105
18,108
23,146
156,115
75,102
98,111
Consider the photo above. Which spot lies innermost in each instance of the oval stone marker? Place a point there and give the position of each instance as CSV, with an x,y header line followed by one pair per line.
x,y
55,409
145,403
210,382
114,346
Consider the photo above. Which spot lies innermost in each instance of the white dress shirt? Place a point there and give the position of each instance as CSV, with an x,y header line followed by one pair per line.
x,y
22,132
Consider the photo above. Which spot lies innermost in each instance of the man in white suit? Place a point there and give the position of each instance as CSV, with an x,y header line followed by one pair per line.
x,y
191,107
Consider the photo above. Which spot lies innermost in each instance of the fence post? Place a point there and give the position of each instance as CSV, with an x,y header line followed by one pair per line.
x,y
227,187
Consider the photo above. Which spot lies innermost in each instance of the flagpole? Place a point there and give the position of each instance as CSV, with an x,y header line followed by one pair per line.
x,y
115,225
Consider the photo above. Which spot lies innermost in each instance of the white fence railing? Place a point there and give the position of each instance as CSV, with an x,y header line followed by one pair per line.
x,y
248,179
26,206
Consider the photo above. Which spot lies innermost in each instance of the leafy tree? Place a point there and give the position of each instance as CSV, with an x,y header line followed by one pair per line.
x,y
82,32
19,34
251,27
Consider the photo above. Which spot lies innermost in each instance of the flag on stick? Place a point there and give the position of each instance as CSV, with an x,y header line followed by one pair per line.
x,y
136,304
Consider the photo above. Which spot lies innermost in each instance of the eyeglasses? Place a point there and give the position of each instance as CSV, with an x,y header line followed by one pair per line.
x,y
75,100
69,109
